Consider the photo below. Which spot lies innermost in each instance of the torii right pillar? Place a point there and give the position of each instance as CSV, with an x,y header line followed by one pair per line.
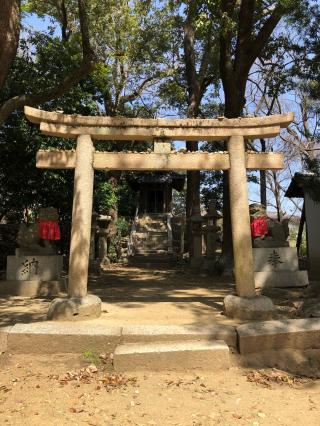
x,y
246,305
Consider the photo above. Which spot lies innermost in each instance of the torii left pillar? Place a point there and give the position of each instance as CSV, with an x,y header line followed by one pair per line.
x,y
79,305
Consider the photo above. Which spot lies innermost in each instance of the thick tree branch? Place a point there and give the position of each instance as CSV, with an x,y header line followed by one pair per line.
x,y
64,21
190,62
84,27
244,32
265,32
67,82
35,99
205,61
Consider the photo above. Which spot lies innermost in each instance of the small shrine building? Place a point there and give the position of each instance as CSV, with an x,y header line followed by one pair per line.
x,y
155,190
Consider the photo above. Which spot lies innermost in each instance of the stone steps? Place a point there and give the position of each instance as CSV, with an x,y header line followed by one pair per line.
x,y
150,234
150,240
163,240
168,347
151,227
151,251
167,356
153,259
261,336
47,337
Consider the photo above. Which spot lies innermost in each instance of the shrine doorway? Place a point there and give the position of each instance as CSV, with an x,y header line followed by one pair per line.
x,y
155,201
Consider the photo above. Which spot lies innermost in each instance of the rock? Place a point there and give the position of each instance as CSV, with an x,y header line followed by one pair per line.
x,y
256,308
73,309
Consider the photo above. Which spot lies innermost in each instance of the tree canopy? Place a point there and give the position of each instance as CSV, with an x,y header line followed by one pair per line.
x,y
151,59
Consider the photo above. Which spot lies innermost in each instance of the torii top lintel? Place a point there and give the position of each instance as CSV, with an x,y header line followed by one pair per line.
x,y
121,128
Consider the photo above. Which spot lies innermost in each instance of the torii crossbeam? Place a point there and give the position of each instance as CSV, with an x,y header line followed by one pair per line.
x,y
84,160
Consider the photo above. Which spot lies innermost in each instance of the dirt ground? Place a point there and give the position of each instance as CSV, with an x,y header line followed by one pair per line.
x,y
66,390
162,297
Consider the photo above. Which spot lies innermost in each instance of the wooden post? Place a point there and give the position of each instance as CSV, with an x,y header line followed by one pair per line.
x,y
81,218
240,219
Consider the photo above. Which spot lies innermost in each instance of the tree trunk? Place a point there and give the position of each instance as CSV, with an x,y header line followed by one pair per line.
x,y
277,196
193,184
238,51
9,35
194,99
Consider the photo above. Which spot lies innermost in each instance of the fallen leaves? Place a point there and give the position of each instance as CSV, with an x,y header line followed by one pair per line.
x,y
270,376
114,380
84,375
91,374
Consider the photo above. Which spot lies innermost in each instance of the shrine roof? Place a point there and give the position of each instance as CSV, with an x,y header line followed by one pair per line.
x,y
299,181
177,180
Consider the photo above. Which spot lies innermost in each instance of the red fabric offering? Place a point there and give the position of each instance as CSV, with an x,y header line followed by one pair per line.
x,y
49,230
259,227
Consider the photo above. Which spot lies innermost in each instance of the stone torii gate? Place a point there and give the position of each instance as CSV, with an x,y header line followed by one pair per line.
x,y
161,131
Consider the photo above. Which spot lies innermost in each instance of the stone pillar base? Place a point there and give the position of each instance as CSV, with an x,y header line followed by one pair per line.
x,y
75,309
251,308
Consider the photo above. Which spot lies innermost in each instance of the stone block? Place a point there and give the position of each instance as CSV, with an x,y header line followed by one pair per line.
x,y
4,338
283,279
245,308
167,333
34,268
75,309
275,259
32,288
282,334
188,355
66,337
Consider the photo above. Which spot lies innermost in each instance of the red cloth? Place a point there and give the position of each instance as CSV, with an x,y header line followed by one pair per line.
x,y
49,230
259,227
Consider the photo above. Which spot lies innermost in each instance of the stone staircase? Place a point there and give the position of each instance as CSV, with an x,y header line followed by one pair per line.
x,y
151,242
134,347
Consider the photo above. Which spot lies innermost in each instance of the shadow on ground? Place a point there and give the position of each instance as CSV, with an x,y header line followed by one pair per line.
x,y
144,296
131,295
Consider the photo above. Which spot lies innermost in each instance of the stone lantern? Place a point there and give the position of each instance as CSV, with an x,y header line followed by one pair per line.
x,y
196,221
211,230
103,222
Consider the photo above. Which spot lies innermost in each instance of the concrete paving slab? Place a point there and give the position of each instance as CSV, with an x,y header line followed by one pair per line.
x,y
165,333
167,356
282,334
62,337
